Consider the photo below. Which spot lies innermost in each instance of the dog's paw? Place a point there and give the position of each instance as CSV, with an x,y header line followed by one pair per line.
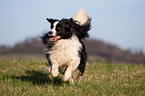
x,y
66,78
55,73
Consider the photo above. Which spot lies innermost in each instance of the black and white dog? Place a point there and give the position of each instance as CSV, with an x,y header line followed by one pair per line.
x,y
65,50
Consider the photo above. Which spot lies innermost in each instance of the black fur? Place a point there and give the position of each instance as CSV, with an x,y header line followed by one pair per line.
x,y
83,56
65,26
45,40
51,21
82,31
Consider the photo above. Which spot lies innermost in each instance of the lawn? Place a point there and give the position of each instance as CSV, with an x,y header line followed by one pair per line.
x,y
27,77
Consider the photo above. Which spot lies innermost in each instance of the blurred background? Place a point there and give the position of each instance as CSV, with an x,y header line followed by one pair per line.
x,y
117,34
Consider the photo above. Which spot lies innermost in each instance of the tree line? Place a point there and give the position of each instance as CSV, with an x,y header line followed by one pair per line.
x,y
97,48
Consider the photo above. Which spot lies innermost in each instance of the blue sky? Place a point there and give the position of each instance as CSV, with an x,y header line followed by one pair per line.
x,y
120,22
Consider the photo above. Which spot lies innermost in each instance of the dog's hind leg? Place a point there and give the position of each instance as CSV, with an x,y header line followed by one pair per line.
x,y
48,69
79,77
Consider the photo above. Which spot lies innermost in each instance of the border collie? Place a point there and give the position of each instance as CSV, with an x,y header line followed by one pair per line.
x,y
65,50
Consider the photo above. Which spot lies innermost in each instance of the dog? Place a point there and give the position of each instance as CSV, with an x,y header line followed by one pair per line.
x,y
65,50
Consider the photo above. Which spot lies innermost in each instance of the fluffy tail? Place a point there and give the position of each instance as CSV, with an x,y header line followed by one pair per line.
x,y
81,17
82,24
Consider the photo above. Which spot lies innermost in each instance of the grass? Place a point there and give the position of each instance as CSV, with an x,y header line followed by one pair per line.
x,y
26,77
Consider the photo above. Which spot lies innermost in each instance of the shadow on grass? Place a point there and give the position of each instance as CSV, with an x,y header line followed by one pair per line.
x,y
39,78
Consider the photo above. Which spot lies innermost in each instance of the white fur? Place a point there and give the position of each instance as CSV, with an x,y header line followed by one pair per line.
x,y
81,17
53,29
65,51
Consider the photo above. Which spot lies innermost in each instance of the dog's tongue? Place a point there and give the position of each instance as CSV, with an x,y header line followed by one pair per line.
x,y
54,39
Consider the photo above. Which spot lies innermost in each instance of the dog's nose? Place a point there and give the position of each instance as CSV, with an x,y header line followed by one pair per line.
x,y
50,32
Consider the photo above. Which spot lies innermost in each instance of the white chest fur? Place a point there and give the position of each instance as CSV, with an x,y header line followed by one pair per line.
x,y
66,51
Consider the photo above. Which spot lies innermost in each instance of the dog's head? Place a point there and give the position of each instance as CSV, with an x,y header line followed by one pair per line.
x,y
60,29
79,26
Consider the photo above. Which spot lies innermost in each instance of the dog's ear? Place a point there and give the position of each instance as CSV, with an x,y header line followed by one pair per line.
x,y
72,21
51,20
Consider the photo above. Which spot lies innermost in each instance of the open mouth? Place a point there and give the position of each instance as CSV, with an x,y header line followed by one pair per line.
x,y
54,39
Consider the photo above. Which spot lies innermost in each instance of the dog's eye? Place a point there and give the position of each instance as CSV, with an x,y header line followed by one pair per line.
x,y
58,27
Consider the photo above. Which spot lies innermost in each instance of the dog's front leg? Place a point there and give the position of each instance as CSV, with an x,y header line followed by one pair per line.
x,y
68,73
55,70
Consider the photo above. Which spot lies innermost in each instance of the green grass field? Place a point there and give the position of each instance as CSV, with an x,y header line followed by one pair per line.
x,y
27,77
